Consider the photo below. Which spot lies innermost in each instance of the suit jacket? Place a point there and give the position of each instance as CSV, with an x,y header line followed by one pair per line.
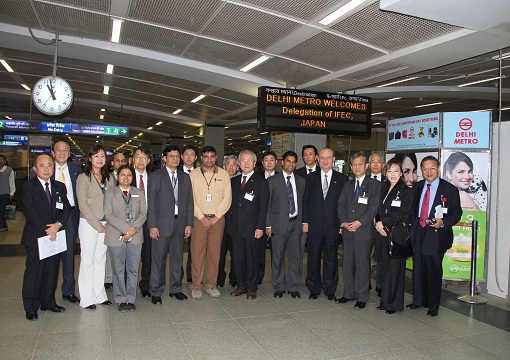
x,y
389,213
161,202
435,241
349,209
278,205
91,199
246,216
38,212
302,171
321,214
115,212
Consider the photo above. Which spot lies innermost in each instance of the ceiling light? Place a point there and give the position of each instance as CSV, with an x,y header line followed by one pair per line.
x,y
103,110
263,133
8,117
106,90
377,123
341,11
97,136
425,105
393,99
130,140
149,128
6,66
504,56
159,123
378,113
479,81
482,110
229,139
117,24
109,69
198,98
503,109
101,117
25,87
140,134
177,111
398,81
245,136
254,63
136,137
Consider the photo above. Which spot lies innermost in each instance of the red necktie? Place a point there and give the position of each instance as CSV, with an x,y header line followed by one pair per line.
x,y
125,192
424,213
244,182
141,185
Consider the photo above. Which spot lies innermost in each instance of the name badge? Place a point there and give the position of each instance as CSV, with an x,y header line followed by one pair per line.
x,y
363,200
60,205
135,196
249,197
176,210
445,210
208,198
396,203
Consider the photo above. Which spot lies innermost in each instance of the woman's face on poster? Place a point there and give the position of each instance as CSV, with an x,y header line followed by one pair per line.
x,y
461,176
410,175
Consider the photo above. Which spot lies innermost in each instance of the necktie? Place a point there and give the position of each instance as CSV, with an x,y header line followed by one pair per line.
x,y
424,212
48,194
244,182
61,176
325,186
292,205
141,185
174,184
309,170
189,170
356,192
125,192
375,177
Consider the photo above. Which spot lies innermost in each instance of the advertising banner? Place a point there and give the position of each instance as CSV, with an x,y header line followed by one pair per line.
x,y
415,132
466,130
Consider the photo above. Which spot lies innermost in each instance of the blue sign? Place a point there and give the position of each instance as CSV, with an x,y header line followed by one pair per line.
x,y
467,130
12,137
13,143
55,127
413,133
18,125
104,130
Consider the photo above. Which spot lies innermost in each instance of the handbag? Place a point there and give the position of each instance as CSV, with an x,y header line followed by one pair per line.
x,y
400,245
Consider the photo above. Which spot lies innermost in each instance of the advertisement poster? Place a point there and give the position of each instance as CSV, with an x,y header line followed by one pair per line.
x,y
415,132
411,165
466,130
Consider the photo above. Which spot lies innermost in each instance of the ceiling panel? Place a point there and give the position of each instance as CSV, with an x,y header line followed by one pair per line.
x,y
235,96
18,13
96,5
305,10
287,72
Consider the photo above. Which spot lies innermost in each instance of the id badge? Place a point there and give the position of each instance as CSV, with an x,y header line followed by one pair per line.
x,y
249,197
176,209
445,210
208,198
396,203
363,200
60,205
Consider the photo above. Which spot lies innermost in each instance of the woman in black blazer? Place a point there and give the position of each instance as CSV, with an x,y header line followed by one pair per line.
x,y
395,205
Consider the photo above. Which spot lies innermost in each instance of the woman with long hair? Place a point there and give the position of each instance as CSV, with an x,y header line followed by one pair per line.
x,y
90,188
409,164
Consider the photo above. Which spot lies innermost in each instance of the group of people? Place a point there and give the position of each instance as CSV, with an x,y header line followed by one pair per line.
x,y
129,214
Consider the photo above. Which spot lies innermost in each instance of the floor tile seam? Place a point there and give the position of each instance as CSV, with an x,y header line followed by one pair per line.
x,y
7,280
180,337
256,342
224,309
440,341
201,321
36,344
232,316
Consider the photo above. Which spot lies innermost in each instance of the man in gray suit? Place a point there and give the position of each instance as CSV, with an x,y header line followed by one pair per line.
x,y
357,206
283,224
169,219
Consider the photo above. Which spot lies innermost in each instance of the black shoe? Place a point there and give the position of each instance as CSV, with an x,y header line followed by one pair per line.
x,y
106,302
178,296
260,281
233,284
146,293
131,307
313,296
360,305
412,306
108,285
342,300
123,307
295,294
331,297
278,294
369,287
378,290
91,307
71,298
55,309
390,312
156,300
189,280
220,283
381,308
425,306
31,315
432,312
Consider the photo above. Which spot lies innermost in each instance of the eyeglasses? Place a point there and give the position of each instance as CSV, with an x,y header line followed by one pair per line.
x,y
247,160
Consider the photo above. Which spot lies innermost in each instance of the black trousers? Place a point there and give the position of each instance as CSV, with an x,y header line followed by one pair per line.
x,y
68,282
226,245
327,248
145,273
246,260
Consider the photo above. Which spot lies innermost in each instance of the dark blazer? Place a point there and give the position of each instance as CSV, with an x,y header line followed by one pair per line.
x,y
389,214
302,171
38,212
161,202
246,216
436,241
349,209
321,214
278,206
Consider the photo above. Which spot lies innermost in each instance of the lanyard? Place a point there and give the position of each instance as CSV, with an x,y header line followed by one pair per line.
x,y
210,181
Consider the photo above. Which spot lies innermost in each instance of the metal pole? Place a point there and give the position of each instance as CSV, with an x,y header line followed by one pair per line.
x,y
472,298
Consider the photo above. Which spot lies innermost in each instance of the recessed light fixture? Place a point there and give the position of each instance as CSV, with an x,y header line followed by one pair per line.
x,y
504,56
103,110
117,24
425,105
245,136
378,113
344,9
24,86
479,81
136,137
198,98
6,66
140,134
377,123
254,63
159,123
177,111
8,117
109,69
398,81
149,128
263,133
393,99
101,117
106,90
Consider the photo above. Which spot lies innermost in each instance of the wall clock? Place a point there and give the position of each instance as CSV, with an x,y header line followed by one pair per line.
x,y
52,95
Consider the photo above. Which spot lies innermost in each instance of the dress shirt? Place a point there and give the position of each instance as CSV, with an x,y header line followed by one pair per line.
x,y
433,190
314,168
12,184
43,184
68,184
174,189
219,188
268,175
361,179
187,170
294,190
145,177
329,174
378,177
247,176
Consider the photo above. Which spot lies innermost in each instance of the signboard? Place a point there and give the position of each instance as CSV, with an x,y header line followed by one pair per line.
x,y
104,130
12,137
18,125
63,128
415,132
466,130
307,111
55,127
13,143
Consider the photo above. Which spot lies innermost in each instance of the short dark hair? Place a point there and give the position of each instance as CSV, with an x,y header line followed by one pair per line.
x,y
64,141
268,153
122,167
309,147
429,158
3,156
394,161
289,153
188,147
143,149
358,155
171,148
208,149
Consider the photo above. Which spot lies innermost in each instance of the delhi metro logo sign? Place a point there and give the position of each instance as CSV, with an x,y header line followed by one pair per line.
x,y
465,124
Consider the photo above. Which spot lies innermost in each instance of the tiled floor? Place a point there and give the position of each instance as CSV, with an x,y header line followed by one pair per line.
x,y
236,328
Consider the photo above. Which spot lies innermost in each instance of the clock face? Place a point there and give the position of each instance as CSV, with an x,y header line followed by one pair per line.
x,y
52,95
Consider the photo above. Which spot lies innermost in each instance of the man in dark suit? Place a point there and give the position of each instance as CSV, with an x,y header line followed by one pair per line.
x,y
141,158
310,157
320,221
169,189
247,219
357,207
46,210
284,225
436,209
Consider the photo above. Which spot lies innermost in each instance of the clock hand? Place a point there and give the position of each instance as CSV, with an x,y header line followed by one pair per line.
x,y
52,96
51,92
